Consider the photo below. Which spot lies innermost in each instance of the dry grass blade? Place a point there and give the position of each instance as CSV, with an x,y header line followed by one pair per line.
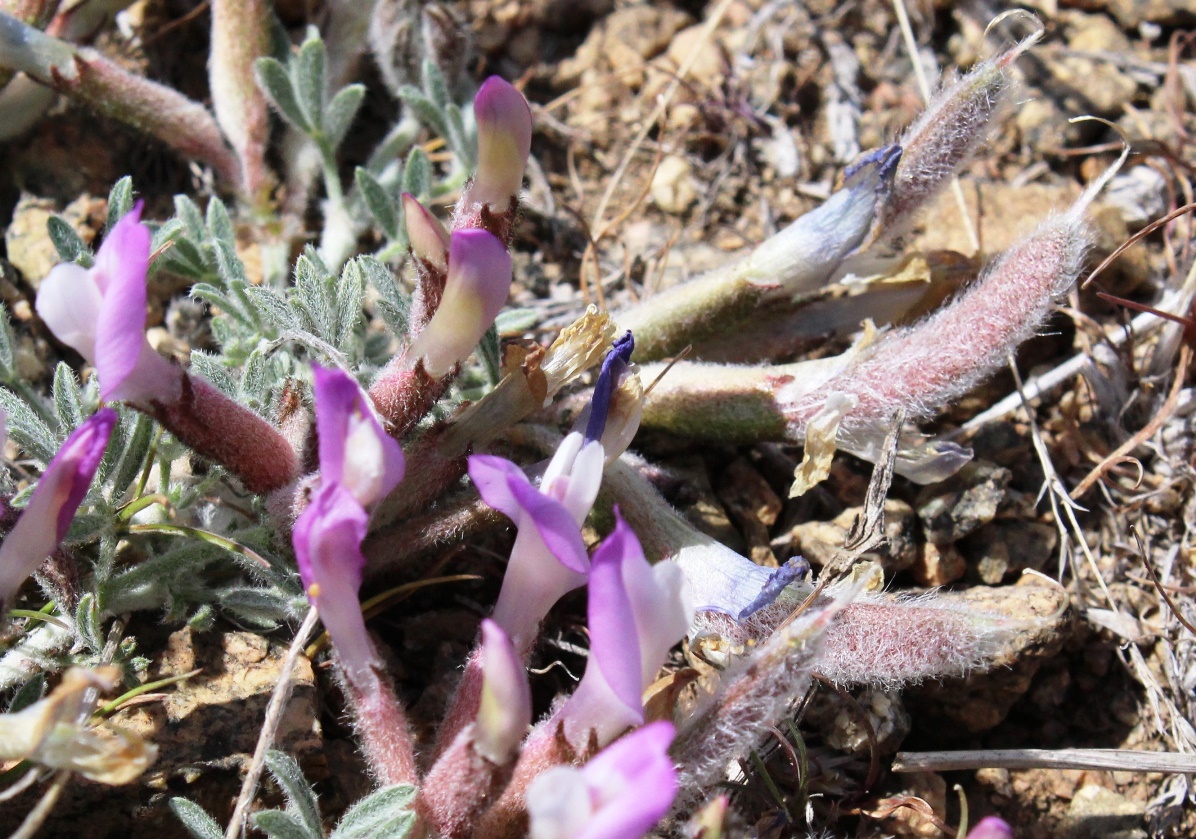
x,y
274,710
1126,760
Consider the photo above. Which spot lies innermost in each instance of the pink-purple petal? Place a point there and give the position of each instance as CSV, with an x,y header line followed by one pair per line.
x,y
504,487
327,539
54,502
120,273
340,406
635,783
992,827
612,624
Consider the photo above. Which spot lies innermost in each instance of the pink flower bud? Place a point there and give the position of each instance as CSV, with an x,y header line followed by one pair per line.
x,y
429,240
505,711
504,143
55,499
479,280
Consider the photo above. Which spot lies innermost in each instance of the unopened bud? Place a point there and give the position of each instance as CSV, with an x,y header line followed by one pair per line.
x,y
504,143
505,712
429,240
479,280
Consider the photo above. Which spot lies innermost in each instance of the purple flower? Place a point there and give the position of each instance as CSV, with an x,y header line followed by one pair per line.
x,y
355,451
100,312
359,465
55,499
991,827
548,558
627,595
504,143
429,240
479,280
327,539
620,794
505,711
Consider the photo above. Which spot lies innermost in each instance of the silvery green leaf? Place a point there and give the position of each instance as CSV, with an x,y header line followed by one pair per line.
x,y
209,366
256,377
460,141
186,260
279,825
272,308
432,81
274,80
203,619
28,693
68,406
264,608
232,270
87,622
220,224
307,75
120,201
386,812
339,114
196,819
67,242
165,234
133,453
192,219
491,355
301,801
28,429
8,367
381,206
350,292
393,303
313,292
424,109
417,174
213,296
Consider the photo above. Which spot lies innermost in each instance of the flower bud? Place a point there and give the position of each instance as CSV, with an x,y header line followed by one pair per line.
x,y
504,142
54,502
505,711
479,280
429,240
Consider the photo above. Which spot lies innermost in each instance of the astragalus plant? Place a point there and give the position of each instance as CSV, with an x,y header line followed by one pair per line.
x,y
350,393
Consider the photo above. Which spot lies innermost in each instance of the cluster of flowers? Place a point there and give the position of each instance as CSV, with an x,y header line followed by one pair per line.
x,y
578,772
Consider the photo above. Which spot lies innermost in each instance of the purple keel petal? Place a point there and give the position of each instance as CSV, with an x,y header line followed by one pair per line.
x,y
120,273
54,502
